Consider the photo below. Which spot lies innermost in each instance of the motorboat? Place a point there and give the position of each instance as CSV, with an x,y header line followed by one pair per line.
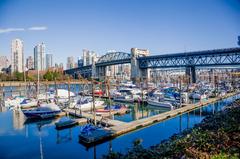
x,y
85,103
28,103
171,97
13,101
62,96
127,85
88,134
46,110
65,122
197,95
114,92
128,95
45,96
158,100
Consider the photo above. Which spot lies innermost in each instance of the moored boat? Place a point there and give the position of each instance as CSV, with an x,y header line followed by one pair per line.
x,y
65,122
28,103
158,100
13,101
113,108
43,111
85,103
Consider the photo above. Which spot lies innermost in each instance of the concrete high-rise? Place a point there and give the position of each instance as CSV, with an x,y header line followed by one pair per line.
x,y
89,57
4,62
17,56
39,57
49,61
70,62
80,62
61,65
30,63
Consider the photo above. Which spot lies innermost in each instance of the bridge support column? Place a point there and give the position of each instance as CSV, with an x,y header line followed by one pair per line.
x,y
191,74
136,72
211,76
101,72
94,75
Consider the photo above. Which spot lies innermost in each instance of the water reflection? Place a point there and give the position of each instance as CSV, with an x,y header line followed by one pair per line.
x,y
42,140
64,136
18,119
139,111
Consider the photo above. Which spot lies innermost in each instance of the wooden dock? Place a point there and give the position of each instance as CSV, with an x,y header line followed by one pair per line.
x,y
141,123
118,127
109,122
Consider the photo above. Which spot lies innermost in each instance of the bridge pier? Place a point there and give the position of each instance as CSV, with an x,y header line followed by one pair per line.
x,y
101,72
136,72
191,74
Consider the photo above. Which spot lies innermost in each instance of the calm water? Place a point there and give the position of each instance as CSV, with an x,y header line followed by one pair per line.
x,y
23,139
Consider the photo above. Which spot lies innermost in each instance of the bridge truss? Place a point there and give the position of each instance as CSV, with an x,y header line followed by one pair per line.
x,y
200,58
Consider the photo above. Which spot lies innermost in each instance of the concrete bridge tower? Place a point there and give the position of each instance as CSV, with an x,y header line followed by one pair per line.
x,y
138,74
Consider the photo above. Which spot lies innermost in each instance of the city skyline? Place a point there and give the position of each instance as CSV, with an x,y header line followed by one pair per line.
x,y
161,26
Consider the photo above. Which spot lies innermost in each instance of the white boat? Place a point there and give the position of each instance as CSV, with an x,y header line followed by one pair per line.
x,y
62,96
62,93
45,96
114,92
85,103
13,102
197,96
28,103
124,98
158,100
44,111
128,95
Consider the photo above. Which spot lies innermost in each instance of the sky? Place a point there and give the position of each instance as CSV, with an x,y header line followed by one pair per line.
x,y
162,26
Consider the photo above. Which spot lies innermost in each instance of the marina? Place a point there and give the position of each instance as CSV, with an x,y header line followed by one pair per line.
x,y
119,79
113,122
172,124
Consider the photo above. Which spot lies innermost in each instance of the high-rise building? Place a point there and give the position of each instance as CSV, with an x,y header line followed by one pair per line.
x,y
30,63
70,62
39,57
89,57
61,65
17,57
4,62
80,62
56,65
49,61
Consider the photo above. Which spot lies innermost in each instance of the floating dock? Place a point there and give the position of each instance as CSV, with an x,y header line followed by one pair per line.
x,y
118,127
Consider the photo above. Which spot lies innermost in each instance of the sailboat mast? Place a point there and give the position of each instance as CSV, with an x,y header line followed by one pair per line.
x,y
38,81
93,97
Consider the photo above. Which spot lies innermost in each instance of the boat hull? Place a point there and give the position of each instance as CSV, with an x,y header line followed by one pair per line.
x,y
160,104
41,114
65,124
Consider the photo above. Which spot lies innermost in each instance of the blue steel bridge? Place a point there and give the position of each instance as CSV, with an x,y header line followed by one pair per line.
x,y
141,64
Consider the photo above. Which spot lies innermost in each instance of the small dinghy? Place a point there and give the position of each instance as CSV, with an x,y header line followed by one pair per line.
x,y
65,122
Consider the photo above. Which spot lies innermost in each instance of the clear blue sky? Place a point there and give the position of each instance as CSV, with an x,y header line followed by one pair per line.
x,y
162,26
